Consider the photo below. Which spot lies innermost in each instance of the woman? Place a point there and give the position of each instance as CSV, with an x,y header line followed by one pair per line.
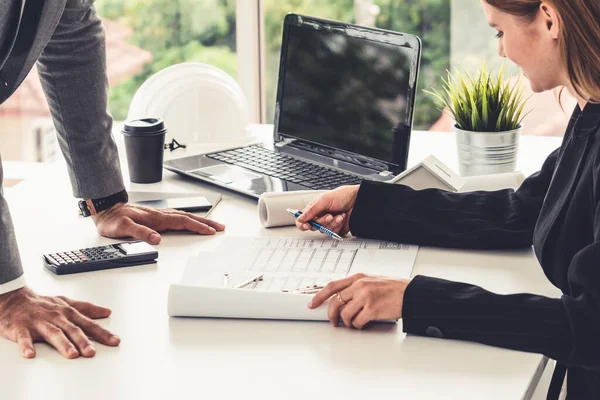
x,y
557,210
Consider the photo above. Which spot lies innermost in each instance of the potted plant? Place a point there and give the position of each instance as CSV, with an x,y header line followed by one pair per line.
x,y
488,112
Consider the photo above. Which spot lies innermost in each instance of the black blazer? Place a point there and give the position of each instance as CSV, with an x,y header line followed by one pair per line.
x,y
557,210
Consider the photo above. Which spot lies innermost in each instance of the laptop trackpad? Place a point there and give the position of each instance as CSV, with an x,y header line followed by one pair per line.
x,y
227,173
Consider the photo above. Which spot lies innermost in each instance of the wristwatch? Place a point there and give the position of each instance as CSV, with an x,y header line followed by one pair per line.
x,y
94,206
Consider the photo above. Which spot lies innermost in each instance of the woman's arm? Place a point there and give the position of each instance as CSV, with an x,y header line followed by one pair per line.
x,y
565,329
433,217
452,310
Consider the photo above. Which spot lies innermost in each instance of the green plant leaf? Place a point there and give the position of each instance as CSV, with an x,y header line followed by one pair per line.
x,y
482,102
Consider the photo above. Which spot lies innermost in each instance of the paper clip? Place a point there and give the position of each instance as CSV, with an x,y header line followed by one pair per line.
x,y
249,281
308,290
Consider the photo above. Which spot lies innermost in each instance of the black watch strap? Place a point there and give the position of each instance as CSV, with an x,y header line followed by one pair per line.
x,y
94,206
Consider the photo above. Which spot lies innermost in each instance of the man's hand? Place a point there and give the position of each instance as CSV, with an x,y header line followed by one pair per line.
x,y
143,223
65,324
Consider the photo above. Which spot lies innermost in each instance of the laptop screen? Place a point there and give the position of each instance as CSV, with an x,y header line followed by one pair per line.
x,y
348,88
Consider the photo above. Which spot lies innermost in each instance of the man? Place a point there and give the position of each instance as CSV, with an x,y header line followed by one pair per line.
x,y
66,38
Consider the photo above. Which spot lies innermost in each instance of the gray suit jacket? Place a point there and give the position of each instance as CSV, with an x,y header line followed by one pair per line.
x,y
66,39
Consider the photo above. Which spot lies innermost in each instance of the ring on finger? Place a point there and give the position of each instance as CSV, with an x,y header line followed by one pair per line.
x,y
339,297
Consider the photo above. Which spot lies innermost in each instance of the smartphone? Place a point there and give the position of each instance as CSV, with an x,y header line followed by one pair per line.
x,y
189,204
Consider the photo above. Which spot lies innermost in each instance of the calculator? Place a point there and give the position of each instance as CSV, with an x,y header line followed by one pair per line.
x,y
117,255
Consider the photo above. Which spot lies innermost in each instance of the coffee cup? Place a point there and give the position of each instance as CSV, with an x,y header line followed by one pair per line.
x,y
145,144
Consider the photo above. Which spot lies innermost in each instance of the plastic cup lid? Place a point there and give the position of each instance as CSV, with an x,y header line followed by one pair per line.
x,y
144,126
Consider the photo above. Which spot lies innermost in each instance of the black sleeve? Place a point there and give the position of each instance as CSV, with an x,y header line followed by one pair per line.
x,y
433,217
565,329
520,322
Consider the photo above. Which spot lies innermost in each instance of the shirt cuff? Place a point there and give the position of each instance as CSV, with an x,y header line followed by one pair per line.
x,y
12,285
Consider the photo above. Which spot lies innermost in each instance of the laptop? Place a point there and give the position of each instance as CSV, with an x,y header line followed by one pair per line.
x,y
344,112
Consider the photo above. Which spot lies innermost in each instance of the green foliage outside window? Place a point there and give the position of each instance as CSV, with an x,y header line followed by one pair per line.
x,y
176,31
428,19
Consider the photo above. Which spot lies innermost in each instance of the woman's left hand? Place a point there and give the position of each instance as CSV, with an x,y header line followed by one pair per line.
x,y
360,299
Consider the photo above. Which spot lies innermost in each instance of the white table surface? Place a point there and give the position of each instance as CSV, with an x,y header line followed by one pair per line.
x,y
181,358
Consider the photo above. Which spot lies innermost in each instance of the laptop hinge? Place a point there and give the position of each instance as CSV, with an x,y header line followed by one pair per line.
x,y
295,145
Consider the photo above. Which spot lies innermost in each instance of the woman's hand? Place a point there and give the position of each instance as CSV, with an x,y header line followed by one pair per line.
x,y
332,210
360,299
142,223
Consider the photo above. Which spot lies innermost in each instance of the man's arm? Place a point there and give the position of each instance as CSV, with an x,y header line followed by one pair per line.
x,y
11,270
72,70
73,73
26,317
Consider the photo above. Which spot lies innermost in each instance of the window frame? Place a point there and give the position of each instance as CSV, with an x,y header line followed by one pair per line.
x,y
251,56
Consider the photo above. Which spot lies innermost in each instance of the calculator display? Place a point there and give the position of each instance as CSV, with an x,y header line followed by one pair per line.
x,y
135,248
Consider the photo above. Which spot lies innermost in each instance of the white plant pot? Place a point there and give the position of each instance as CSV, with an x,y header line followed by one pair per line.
x,y
484,153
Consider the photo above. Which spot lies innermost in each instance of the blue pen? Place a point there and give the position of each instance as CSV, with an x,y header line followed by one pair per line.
x,y
319,227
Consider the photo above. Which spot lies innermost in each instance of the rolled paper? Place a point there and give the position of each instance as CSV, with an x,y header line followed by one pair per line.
x,y
272,206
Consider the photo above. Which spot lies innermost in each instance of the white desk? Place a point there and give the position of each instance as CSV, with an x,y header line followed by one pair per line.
x,y
163,358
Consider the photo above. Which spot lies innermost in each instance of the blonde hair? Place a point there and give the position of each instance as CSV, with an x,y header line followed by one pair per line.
x,y
579,39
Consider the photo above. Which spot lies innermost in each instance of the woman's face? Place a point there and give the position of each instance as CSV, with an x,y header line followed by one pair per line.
x,y
532,45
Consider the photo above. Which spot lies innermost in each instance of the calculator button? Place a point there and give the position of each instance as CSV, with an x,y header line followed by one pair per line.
x,y
51,260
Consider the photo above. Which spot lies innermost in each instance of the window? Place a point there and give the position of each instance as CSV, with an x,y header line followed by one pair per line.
x,y
546,116
145,36
428,19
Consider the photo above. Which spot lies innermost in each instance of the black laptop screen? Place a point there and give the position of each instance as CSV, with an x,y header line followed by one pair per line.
x,y
347,92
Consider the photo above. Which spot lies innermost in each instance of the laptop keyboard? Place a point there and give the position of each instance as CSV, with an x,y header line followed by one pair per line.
x,y
268,162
